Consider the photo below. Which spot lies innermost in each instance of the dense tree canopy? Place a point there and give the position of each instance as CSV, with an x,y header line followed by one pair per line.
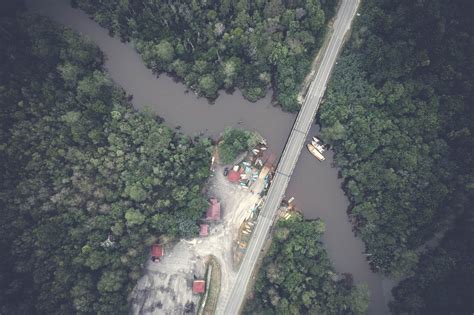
x,y
443,281
235,141
297,276
87,183
399,114
217,44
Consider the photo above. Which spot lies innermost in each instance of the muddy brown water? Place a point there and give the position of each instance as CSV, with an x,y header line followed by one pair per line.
x,y
315,186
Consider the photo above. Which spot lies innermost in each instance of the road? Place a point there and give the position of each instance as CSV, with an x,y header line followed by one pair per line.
x,y
232,303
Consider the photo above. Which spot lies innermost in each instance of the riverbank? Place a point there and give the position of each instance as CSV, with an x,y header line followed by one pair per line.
x,y
168,99
329,203
315,186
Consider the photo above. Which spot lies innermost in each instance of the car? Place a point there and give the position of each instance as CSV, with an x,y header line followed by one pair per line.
x,y
226,171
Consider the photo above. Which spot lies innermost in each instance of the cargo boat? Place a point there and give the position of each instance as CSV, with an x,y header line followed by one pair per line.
x,y
318,146
315,152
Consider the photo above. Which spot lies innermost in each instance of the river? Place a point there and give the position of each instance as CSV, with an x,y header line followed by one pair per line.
x,y
315,186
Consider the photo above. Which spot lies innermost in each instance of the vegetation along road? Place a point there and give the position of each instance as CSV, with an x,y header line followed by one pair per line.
x,y
232,304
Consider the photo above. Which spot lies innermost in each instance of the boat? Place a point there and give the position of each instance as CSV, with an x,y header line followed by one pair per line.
x,y
315,139
318,146
315,152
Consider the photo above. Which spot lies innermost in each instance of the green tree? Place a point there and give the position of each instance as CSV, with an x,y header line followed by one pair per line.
x,y
110,281
136,192
359,300
208,85
134,217
164,52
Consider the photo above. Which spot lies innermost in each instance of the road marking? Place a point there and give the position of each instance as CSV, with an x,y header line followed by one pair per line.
x,y
299,131
283,174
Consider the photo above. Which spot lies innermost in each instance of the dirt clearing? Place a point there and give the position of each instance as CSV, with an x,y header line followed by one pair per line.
x,y
166,286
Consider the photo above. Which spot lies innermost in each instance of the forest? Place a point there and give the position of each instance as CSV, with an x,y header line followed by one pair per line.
x,y
297,277
212,45
443,280
399,114
87,183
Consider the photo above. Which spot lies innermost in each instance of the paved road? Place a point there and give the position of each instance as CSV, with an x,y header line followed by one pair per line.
x,y
232,303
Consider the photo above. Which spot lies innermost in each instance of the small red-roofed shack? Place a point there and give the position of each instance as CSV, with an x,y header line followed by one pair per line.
x,y
233,176
199,286
214,211
204,230
157,251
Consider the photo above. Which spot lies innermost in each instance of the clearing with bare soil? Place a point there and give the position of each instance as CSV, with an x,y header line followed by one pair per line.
x,y
166,285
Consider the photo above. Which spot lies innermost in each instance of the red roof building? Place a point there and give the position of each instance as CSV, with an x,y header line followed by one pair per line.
x,y
199,286
233,176
157,251
204,231
214,210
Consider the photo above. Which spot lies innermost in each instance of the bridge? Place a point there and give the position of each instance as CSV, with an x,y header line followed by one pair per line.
x,y
231,304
